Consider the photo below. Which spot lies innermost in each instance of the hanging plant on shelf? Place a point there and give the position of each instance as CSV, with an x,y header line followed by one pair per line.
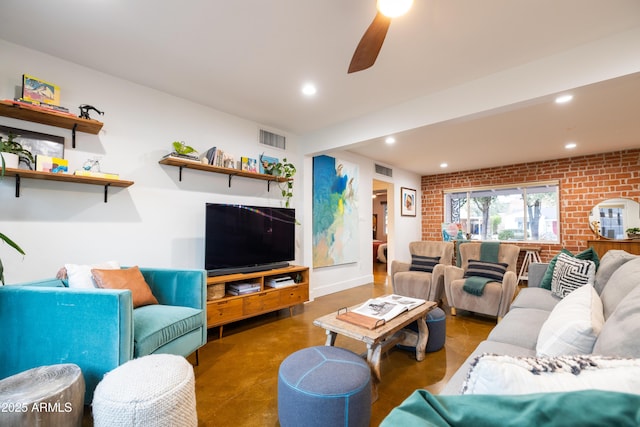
x,y
282,169
180,149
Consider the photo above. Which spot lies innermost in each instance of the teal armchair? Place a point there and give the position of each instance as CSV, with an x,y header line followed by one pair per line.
x,y
45,322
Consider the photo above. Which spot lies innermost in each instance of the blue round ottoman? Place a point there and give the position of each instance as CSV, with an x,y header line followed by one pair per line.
x,y
436,323
324,386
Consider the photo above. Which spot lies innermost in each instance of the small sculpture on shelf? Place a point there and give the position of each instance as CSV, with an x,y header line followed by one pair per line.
x,y
84,111
595,227
92,165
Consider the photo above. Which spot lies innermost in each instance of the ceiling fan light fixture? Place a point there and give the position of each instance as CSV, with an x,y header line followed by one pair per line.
x,y
394,8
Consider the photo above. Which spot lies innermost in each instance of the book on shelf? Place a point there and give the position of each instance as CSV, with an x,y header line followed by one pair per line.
x,y
246,291
51,164
182,156
107,175
243,286
387,307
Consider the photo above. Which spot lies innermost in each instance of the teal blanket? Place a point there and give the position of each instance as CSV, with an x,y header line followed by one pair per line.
x,y
488,253
587,408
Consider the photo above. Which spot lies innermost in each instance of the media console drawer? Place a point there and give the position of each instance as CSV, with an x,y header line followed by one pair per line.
x,y
292,295
261,302
223,311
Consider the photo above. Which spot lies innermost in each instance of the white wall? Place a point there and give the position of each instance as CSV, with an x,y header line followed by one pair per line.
x,y
158,221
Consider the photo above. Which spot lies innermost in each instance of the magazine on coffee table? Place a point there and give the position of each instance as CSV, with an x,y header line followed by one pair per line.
x,y
387,307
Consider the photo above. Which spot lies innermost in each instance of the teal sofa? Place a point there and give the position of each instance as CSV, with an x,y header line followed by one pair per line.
x,y
45,322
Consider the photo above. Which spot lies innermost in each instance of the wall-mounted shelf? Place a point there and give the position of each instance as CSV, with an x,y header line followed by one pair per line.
x,y
29,174
51,118
190,164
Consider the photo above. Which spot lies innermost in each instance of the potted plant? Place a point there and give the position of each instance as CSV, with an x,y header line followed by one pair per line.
x,y
633,233
12,153
286,170
183,150
15,246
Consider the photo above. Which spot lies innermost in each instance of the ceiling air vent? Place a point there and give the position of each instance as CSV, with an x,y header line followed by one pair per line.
x,y
383,170
272,140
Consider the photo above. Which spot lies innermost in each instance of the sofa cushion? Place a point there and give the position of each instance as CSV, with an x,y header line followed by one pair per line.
x,y
538,298
588,254
620,335
573,325
79,275
157,325
129,278
520,327
622,282
490,270
610,262
496,374
570,273
454,385
423,263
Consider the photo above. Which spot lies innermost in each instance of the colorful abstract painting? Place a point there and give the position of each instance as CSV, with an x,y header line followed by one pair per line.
x,y
335,212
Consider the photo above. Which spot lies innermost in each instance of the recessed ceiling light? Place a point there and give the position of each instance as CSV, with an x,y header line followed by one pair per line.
x,y
570,145
309,89
563,99
390,140
444,165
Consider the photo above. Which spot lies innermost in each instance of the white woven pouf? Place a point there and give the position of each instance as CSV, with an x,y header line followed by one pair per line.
x,y
156,390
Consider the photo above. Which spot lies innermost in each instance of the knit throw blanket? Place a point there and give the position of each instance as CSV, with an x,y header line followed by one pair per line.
x,y
488,253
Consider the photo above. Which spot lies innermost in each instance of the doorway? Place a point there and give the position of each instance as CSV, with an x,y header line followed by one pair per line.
x,y
380,230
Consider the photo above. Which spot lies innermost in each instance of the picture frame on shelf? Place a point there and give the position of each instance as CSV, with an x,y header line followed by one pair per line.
x,y
37,90
407,201
37,143
249,164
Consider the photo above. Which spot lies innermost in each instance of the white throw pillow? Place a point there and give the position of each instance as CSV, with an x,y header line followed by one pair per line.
x,y
493,374
573,325
79,276
570,273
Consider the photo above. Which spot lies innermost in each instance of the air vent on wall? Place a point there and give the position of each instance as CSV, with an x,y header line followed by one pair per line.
x,y
383,170
272,140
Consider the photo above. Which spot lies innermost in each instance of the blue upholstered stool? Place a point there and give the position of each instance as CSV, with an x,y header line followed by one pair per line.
x,y
325,387
436,323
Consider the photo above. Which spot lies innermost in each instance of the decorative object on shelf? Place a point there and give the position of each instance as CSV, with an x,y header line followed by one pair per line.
x,y
249,164
633,233
92,165
595,227
180,149
34,89
51,164
84,111
15,246
9,148
407,201
267,164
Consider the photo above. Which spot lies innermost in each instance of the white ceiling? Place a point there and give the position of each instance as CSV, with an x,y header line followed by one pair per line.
x,y
250,58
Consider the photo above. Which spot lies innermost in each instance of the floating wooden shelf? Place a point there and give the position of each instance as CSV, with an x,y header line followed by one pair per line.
x,y
29,174
51,118
192,164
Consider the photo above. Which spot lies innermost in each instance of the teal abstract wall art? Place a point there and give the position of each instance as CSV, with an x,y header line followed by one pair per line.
x,y
335,212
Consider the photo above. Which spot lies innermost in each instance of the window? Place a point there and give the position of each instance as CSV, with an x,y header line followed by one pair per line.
x,y
525,212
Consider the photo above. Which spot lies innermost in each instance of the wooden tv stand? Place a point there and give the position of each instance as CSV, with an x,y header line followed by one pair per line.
x,y
231,308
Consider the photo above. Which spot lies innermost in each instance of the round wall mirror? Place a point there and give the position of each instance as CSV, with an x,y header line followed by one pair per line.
x,y
613,217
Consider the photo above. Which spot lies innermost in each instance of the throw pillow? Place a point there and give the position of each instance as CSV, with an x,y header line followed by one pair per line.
x,y
130,278
570,273
610,262
491,270
424,263
588,254
493,374
573,325
619,335
79,275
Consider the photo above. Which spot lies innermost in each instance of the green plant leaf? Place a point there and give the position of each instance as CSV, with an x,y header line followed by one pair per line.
x,y
11,243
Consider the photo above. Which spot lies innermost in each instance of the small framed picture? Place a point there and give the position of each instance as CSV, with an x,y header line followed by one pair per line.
x,y
407,202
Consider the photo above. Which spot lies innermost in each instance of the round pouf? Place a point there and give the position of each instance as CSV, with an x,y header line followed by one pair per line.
x,y
324,386
156,390
436,323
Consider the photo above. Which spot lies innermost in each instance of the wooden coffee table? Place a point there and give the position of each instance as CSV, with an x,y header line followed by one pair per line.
x,y
380,339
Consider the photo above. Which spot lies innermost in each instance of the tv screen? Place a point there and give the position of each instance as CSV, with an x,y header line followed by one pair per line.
x,y
248,238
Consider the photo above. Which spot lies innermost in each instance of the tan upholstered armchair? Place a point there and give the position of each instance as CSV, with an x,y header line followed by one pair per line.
x,y
496,296
427,285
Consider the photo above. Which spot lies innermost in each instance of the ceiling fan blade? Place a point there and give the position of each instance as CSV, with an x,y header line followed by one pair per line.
x,y
370,44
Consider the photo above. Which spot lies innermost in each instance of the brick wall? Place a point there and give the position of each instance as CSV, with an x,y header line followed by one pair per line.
x,y
584,182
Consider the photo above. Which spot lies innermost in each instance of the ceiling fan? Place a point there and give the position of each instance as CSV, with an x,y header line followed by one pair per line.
x,y
371,42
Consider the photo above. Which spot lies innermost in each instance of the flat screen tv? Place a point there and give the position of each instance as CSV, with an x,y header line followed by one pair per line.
x,y
240,238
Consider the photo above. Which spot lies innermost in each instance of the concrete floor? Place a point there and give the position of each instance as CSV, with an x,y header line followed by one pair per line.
x,y
237,377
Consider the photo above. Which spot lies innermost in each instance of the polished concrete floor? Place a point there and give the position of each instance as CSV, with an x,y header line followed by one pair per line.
x,y
236,380
237,375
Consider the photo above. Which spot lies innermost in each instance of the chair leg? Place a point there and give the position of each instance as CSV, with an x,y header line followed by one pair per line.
x,y
453,311
197,357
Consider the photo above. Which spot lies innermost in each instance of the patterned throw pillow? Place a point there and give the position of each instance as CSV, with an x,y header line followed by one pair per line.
x,y
588,254
423,263
491,270
570,273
